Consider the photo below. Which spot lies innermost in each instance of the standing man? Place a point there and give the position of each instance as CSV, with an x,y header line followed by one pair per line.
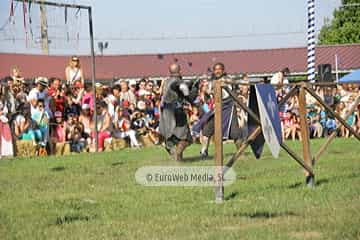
x,y
230,123
40,92
173,119
280,77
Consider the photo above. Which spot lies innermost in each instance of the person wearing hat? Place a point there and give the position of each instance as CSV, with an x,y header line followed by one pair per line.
x,y
132,86
73,71
39,92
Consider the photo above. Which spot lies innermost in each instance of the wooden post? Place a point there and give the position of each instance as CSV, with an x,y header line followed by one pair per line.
x,y
219,187
305,135
44,30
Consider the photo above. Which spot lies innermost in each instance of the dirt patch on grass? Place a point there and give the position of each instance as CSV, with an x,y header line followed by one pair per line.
x,y
306,235
243,226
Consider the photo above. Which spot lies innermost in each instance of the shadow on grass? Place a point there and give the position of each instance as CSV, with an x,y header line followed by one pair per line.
x,y
198,159
230,154
264,214
58,169
325,181
302,184
117,164
70,218
297,185
232,195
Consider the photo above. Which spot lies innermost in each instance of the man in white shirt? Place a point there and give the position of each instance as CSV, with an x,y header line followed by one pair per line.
x,y
280,77
39,92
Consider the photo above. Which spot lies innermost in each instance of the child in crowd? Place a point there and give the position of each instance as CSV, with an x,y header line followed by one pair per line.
x,y
123,128
41,119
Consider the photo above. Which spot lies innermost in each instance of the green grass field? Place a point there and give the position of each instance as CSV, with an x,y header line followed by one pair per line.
x,y
95,196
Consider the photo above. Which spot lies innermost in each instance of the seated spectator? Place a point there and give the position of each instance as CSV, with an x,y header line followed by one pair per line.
x,y
116,90
292,127
9,92
316,129
194,117
149,89
351,121
75,133
104,124
138,121
142,88
86,118
71,105
294,105
126,96
157,106
110,100
88,97
77,142
78,92
123,128
6,145
58,131
322,118
330,126
41,118
329,96
58,99
152,125
55,84
25,128
285,124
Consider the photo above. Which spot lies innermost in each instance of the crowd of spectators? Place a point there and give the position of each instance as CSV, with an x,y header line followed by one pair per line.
x,y
51,111
340,98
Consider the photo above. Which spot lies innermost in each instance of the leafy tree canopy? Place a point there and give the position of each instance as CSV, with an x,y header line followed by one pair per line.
x,y
344,28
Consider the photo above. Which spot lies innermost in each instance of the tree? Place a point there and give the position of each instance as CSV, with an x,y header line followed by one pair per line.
x,y
344,27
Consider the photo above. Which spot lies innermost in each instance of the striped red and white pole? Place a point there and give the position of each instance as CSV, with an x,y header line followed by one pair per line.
x,y
311,41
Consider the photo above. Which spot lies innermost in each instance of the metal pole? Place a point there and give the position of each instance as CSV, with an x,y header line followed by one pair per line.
x,y
54,4
42,3
311,41
93,75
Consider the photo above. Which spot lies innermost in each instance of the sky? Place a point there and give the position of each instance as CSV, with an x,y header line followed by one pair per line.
x,y
167,26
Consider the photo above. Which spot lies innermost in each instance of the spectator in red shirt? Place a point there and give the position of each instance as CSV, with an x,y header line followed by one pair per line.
x,y
88,97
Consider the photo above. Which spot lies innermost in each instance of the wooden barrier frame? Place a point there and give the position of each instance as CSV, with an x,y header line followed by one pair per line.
x,y
307,162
